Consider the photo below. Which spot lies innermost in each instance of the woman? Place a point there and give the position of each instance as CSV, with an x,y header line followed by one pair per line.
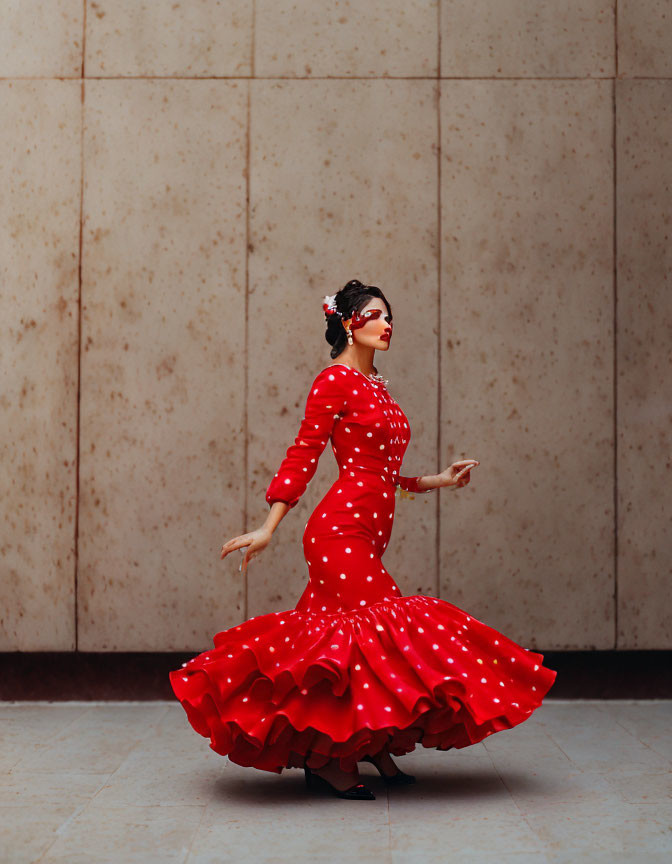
x,y
355,671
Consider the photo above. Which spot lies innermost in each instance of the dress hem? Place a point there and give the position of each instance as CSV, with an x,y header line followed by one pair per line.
x,y
253,707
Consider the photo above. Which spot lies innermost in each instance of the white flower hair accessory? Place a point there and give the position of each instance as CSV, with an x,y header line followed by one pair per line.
x,y
329,305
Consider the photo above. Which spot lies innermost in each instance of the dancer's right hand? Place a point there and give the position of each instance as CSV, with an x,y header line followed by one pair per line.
x,y
255,541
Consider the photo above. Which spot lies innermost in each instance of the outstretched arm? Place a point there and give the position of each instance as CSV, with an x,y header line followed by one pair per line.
x,y
324,405
455,476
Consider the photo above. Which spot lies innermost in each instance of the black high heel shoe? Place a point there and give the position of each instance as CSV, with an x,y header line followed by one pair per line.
x,y
358,791
398,779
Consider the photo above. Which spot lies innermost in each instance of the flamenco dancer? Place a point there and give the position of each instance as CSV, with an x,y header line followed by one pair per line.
x,y
356,671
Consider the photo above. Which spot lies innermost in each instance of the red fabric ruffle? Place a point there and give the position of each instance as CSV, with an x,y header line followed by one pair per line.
x,y
410,670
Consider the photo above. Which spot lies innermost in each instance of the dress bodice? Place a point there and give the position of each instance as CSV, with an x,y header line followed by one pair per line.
x,y
367,427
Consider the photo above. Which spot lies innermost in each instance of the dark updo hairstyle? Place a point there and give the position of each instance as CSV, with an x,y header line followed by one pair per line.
x,y
353,297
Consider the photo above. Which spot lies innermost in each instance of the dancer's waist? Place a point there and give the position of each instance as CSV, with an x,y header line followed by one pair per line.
x,y
380,475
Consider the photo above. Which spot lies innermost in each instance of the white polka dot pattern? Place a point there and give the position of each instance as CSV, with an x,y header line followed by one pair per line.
x,y
371,442
356,666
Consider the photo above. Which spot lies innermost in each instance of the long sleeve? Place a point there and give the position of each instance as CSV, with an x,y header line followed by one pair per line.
x,y
409,484
325,403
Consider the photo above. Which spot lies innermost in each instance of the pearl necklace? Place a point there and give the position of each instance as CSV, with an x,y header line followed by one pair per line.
x,y
373,377
379,378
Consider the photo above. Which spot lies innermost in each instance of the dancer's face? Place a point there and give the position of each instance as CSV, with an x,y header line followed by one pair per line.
x,y
372,325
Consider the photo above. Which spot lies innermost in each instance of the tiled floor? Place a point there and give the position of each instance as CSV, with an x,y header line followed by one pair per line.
x,y
132,782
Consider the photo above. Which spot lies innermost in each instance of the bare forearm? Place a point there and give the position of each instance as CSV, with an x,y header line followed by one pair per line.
x,y
454,477
277,512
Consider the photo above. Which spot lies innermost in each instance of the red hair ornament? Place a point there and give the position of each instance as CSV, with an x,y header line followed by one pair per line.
x,y
329,306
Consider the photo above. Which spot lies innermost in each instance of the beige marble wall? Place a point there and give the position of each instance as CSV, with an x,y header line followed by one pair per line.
x,y
174,213
527,366
644,352
162,447
40,170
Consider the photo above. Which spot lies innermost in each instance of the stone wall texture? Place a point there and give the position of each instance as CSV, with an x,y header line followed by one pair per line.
x,y
181,185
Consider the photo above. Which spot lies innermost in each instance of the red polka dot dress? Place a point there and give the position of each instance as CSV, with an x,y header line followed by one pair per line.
x,y
355,666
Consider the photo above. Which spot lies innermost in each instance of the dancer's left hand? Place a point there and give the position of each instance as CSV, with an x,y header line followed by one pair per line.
x,y
458,474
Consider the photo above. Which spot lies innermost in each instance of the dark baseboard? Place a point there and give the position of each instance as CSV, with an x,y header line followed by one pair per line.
x,y
58,676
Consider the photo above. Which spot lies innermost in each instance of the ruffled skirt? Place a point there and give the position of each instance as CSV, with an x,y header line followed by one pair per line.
x,y
291,688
